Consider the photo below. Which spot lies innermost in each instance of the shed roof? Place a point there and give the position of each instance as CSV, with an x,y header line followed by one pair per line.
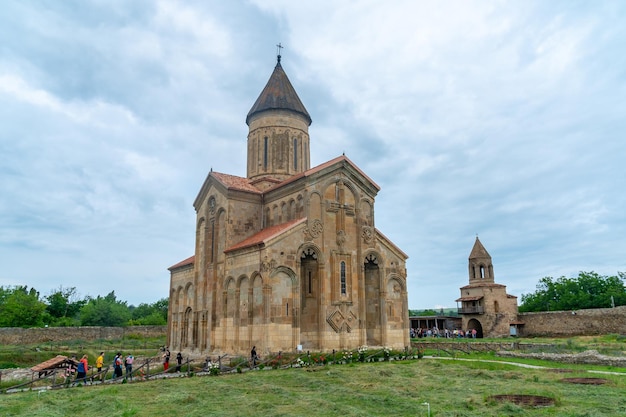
x,y
472,298
58,361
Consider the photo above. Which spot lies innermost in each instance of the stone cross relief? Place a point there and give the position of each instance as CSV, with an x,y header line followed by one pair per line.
x,y
342,209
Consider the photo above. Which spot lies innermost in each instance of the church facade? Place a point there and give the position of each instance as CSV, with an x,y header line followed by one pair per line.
x,y
288,257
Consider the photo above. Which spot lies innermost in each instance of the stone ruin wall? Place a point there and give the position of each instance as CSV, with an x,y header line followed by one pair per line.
x,y
574,323
19,336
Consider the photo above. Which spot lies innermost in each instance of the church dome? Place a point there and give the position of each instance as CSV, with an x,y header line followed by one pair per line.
x,y
278,94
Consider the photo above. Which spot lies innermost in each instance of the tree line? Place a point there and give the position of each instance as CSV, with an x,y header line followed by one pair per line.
x,y
587,290
24,307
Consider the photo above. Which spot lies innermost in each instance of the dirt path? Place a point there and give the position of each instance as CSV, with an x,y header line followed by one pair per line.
x,y
523,365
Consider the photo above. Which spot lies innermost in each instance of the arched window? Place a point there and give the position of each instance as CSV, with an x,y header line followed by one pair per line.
x,y
265,151
309,265
268,219
295,154
310,282
343,278
300,207
212,254
292,210
482,272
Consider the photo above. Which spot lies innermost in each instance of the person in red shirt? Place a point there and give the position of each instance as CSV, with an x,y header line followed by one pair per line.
x,y
81,371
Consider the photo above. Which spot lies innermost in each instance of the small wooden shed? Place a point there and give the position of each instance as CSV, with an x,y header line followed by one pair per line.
x,y
54,364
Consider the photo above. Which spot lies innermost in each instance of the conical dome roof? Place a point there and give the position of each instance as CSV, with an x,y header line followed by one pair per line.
x,y
278,94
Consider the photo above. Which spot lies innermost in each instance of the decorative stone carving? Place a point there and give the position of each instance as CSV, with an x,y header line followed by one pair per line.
x,y
341,238
267,265
308,252
371,258
212,205
316,228
367,234
340,321
335,207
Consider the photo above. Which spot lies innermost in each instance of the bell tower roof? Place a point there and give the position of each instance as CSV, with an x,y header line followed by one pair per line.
x,y
479,251
278,94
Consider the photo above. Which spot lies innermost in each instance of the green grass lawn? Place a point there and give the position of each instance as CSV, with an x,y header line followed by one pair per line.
x,y
451,387
25,356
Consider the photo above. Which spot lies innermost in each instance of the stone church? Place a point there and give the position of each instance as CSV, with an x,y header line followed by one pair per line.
x,y
288,257
485,305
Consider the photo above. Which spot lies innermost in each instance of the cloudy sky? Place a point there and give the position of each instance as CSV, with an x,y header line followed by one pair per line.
x,y
502,119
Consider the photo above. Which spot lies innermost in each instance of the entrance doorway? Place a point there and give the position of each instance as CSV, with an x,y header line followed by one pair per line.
x,y
475,324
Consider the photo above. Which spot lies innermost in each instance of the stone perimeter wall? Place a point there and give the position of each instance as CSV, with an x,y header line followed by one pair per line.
x,y
574,323
19,336
552,323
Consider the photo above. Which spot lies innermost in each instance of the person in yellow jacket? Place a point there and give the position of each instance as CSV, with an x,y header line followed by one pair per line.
x,y
99,363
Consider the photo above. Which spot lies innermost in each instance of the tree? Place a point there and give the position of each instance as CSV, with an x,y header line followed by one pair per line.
x,y
20,307
588,290
150,314
428,312
105,311
63,306
162,306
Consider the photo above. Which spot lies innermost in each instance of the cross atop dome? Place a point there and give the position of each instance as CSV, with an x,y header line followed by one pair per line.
x,y
278,48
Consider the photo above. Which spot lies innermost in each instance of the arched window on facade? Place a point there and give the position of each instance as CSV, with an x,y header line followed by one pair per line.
x,y
292,210
268,217
265,152
343,278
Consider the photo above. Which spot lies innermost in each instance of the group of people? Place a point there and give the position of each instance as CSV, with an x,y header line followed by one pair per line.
x,y
77,369
121,362
469,333
435,332
81,367
166,359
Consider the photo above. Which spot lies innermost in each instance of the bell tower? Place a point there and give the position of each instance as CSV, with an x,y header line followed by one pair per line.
x,y
278,137
480,265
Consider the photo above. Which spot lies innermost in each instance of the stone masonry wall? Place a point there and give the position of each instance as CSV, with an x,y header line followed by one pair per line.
x,y
574,323
19,336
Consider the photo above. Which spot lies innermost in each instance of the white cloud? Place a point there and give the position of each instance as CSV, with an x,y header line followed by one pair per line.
x,y
18,89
